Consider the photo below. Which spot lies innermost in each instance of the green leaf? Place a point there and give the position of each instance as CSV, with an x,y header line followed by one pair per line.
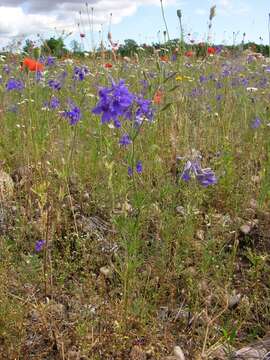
x,y
174,88
166,107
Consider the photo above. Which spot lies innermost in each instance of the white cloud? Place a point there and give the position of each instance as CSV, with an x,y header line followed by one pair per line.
x,y
20,18
233,7
202,12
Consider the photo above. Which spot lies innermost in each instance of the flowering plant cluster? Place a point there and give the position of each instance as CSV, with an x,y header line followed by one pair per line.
x,y
205,176
73,114
79,73
14,84
117,104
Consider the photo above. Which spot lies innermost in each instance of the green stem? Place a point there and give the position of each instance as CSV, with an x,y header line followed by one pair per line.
x,y
269,34
164,19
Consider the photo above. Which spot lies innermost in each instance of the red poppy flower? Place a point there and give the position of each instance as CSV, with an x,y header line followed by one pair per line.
x,y
32,65
211,50
158,97
164,58
108,65
189,53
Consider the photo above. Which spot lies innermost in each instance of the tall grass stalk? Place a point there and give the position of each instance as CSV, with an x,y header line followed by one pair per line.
x,y
179,15
269,34
164,19
212,14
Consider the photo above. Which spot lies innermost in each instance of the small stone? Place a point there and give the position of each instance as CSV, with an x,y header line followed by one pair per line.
x,y
220,353
245,229
253,204
191,270
256,179
35,317
56,310
180,210
137,353
86,196
73,355
150,352
203,285
200,235
178,353
126,207
127,59
6,186
250,212
21,174
163,313
106,271
248,353
234,300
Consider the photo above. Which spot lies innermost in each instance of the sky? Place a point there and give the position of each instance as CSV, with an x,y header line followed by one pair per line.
x,y
140,20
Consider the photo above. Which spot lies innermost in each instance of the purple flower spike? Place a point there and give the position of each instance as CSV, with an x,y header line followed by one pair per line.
x,y
114,102
125,140
73,114
205,177
117,103
13,84
55,84
256,123
39,245
139,167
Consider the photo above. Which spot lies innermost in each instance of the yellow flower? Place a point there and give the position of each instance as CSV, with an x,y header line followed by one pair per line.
x,y
183,78
179,78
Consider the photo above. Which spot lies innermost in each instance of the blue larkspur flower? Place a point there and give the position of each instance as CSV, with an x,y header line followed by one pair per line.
x,y
226,73
256,123
219,49
79,73
38,76
125,140
219,97
114,102
47,61
245,82
145,86
203,79
13,84
117,103
205,177
73,114
144,109
54,103
263,83
50,61
55,84
139,167
219,85
39,245
6,69
117,123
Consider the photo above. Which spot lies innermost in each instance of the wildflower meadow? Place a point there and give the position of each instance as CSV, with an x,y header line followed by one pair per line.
x,y
134,193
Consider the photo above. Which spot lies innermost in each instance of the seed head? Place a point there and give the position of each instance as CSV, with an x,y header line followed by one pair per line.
x,y
212,12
